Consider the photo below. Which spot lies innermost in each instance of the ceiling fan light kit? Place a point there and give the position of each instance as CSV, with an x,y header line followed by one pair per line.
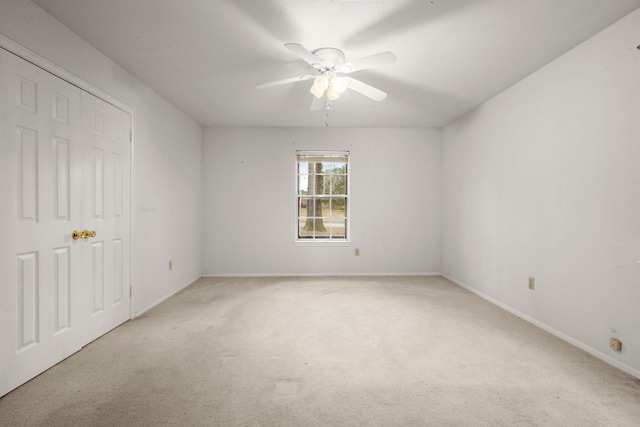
x,y
320,84
329,62
335,86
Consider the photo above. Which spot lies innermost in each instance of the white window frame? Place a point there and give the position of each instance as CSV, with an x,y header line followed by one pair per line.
x,y
317,240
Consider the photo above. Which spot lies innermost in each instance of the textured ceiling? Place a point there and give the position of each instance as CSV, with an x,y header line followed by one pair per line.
x,y
207,56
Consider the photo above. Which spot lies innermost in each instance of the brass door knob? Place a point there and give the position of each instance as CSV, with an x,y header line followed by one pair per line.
x,y
85,234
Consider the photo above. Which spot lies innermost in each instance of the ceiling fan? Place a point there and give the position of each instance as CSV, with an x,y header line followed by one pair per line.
x,y
330,64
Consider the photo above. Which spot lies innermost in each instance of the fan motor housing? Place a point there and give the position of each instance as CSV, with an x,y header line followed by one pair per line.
x,y
330,57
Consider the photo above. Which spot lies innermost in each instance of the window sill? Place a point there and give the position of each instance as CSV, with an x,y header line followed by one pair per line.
x,y
320,242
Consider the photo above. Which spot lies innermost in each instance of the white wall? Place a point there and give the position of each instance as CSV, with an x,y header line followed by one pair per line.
x,y
167,180
249,202
544,181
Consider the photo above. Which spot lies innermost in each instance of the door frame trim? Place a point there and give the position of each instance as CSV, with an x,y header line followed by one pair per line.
x,y
48,66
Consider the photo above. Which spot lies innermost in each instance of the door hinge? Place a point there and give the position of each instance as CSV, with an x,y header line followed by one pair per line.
x,y
130,291
130,136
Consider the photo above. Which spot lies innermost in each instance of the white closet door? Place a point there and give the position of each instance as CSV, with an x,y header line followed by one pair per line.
x,y
40,201
64,167
106,196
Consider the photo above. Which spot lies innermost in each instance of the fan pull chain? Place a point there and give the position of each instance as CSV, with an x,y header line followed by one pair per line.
x,y
326,113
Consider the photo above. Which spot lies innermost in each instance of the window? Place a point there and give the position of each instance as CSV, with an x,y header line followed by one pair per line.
x,y
323,196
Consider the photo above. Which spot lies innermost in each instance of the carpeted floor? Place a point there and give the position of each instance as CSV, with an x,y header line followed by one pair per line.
x,y
383,351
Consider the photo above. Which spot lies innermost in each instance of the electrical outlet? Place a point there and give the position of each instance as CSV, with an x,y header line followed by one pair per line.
x,y
357,252
170,265
532,283
615,344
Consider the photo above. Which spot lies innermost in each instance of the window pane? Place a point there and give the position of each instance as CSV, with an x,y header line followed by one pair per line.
x,y
303,184
302,207
302,232
337,227
316,181
312,227
338,207
322,207
309,204
337,184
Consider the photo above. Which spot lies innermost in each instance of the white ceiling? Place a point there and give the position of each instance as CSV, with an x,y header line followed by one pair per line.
x,y
207,56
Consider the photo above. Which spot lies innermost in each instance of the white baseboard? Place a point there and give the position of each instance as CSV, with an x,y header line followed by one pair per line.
x,y
163,298
343,274
595,353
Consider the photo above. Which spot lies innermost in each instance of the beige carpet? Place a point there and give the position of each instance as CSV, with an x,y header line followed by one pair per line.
x,y
392,351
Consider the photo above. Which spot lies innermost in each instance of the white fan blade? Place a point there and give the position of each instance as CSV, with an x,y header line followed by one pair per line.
x,y
303,53
381,58
284,81
317,103
366,90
